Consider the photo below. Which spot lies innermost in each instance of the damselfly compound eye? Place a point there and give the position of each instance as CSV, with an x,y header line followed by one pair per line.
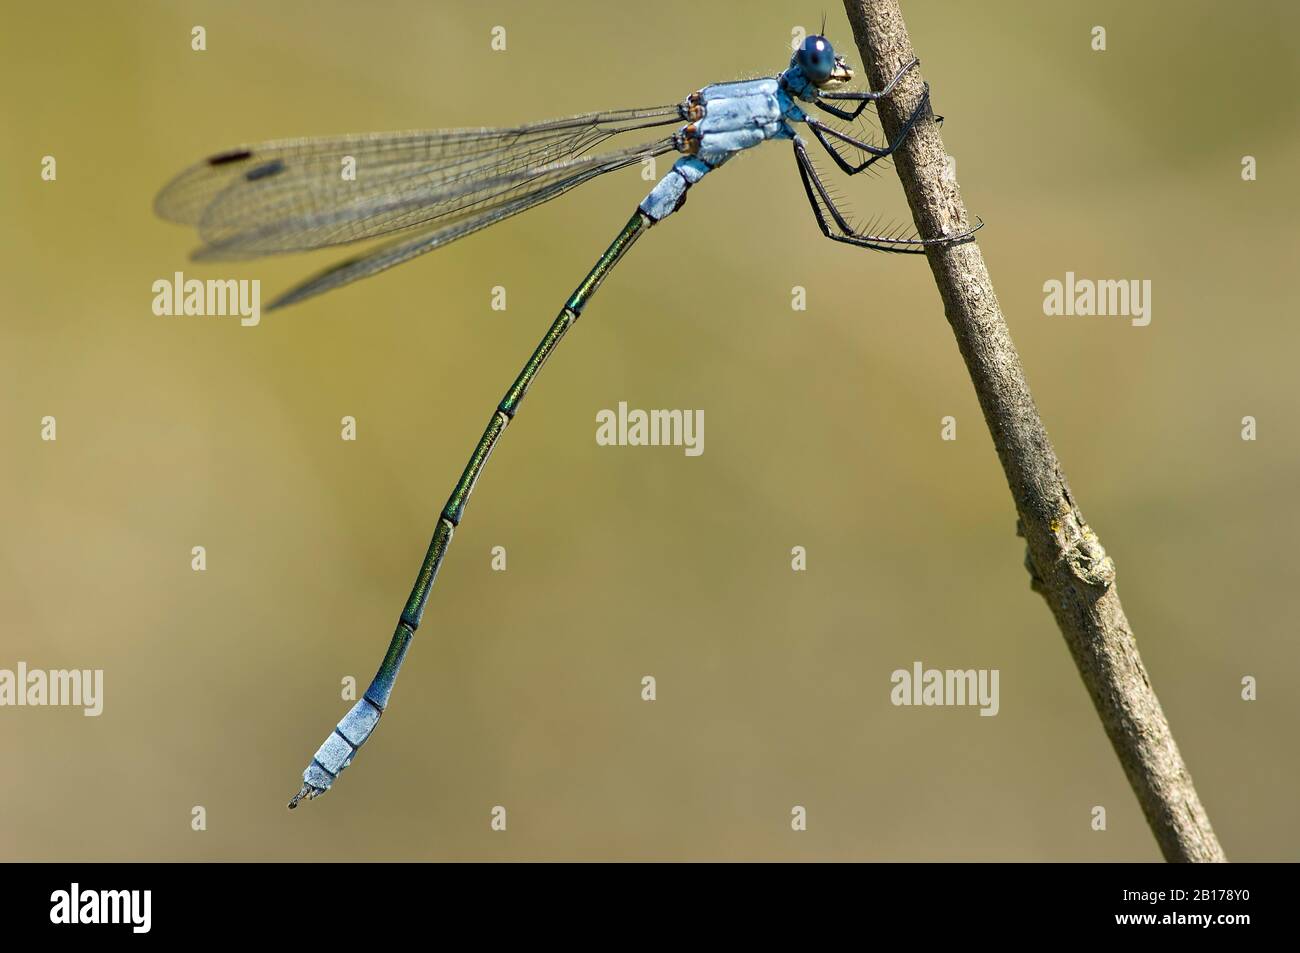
x,y
816,58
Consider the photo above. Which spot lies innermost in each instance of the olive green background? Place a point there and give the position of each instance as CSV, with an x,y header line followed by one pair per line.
x,y
822,429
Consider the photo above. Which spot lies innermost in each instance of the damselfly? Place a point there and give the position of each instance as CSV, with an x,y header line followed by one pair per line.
x,y
433,187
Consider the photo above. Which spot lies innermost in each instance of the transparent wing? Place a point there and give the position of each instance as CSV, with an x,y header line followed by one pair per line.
x,y
496,200
295,195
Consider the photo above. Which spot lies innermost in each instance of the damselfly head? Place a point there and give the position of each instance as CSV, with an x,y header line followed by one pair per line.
x,y
817,59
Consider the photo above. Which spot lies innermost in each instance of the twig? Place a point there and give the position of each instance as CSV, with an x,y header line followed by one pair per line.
x,y
1066,561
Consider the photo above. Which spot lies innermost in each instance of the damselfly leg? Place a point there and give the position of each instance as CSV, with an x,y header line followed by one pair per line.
x,y
819,196
875,153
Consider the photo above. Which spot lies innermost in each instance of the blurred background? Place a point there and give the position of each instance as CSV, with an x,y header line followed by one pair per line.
x,y
822,430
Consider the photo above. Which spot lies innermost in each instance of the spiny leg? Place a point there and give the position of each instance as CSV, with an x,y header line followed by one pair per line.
x,y
814,188
863,98
876,153
351,733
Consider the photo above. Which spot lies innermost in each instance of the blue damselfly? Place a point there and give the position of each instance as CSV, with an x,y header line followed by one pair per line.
x,y
430,188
